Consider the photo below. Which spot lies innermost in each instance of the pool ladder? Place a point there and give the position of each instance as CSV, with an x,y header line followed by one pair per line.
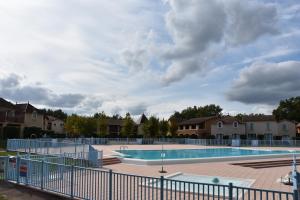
x,y
123,148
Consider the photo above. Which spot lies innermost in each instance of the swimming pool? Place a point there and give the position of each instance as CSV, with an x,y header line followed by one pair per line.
x,y
172,155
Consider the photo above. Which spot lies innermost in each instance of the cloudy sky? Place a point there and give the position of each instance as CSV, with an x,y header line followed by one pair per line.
x,y
155,56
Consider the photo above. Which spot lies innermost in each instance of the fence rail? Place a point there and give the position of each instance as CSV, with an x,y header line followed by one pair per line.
x,y
98,184
82,154
206,142
74,145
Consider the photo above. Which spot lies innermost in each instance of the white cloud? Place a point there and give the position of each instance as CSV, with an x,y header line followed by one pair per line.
x,y
201,29
247,21
116,54
266,83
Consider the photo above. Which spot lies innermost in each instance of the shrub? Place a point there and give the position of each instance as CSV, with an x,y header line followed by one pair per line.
x,y
32,132
10,132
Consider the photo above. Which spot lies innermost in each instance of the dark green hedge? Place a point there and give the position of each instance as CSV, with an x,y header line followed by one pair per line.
x,y
10,132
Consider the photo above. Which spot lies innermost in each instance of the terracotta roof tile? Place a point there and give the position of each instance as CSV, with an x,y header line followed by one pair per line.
x,y
196,120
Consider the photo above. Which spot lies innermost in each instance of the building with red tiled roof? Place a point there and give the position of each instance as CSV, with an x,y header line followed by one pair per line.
x,y
267,127
54,124
228,127
196,127
14,118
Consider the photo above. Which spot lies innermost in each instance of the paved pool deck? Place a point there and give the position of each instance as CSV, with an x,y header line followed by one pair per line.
x,y
266,178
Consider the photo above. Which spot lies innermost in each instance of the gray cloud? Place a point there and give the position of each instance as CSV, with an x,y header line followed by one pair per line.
x,y
192,27
249,21
199,27
11,88
266,83
10,81
137,109
135,59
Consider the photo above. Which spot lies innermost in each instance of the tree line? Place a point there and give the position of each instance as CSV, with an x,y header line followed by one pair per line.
x,y
97,125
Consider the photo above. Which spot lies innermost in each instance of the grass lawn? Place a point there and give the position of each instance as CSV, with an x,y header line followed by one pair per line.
x,y
5,153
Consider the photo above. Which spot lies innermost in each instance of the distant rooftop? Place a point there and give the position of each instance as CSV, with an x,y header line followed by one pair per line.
x,y
197,120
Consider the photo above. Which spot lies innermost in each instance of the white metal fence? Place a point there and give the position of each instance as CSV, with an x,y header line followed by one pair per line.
x,y
95,184
62,149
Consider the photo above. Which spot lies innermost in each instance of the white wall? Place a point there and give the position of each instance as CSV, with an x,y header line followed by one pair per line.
x,y
57,126
228,129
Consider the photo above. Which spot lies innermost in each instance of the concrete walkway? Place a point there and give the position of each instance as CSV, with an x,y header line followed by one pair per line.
x,y
9,191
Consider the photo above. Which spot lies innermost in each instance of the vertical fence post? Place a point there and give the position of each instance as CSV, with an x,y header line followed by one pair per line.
x,y
295,175
72,181
110,185
42,175
6,168
230,188
18,168
161,188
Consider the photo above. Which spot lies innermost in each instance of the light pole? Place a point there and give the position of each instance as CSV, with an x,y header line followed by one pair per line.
x,y
162,155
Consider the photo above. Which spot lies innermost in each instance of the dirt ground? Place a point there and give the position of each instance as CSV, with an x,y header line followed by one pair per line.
x,y
9,191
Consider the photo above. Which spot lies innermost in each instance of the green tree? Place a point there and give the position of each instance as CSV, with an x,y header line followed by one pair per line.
x,y
102,126
117,116
163,128
80,125
193,112
173,127
128,127
288,109
151,127
87,126
56,113
72,125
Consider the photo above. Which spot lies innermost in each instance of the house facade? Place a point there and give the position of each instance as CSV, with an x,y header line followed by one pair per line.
x,y
24,120
11,122
227,127
14,118
267,127
264,127
114,126
196,127
32,117
54,124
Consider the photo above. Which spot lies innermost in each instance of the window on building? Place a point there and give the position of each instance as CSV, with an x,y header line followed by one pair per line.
x,y
194,126
219,136
268,136
235,136
220,124
187,127
268,126
54,124
34,115
285,137
251,136
235,124
201,126
284,127
12,113
61,124
251,126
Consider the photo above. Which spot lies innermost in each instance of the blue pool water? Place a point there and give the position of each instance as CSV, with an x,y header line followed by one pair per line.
x,y
198,153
